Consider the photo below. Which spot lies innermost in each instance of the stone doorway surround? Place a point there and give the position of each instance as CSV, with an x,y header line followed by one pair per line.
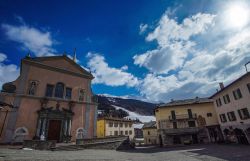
x,y
54,130
45,115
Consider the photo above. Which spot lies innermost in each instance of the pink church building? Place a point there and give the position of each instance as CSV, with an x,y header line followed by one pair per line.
x,y
52,98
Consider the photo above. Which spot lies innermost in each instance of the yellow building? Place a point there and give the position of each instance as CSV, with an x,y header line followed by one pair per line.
x,y
150,133
187,121
114,127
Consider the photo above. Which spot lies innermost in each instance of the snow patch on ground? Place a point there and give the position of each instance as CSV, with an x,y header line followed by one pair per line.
x,y
111,99
133,115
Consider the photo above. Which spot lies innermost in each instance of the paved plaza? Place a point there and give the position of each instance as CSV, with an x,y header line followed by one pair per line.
x,y
186,153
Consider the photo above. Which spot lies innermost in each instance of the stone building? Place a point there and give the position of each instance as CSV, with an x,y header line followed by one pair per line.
x,y
187,121
150,133
232,105
109,126
52,98
138,138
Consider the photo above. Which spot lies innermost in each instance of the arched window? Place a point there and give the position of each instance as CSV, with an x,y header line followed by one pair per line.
x,y
80,132
59,90
20,134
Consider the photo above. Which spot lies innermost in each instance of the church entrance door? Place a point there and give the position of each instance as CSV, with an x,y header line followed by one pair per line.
x,y
54,130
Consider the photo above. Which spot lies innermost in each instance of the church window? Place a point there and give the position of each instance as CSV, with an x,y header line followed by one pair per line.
x,y
59,90
68,93
49,90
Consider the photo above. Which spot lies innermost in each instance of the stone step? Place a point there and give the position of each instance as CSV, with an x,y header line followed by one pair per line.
x,y
68,148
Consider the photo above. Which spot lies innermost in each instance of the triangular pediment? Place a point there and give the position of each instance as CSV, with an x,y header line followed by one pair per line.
x,y
62,62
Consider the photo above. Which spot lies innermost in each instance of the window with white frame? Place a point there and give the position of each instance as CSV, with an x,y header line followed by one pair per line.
x,y
218,102
237,94
244,114
223,118
231,116
110,124
226,99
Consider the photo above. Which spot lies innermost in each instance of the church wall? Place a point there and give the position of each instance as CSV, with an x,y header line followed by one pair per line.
x,y
27,116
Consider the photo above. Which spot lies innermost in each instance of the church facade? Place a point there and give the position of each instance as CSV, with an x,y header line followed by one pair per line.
x,y
52,100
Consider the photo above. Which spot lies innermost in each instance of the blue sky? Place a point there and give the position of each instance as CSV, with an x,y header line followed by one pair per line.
x,y
151,50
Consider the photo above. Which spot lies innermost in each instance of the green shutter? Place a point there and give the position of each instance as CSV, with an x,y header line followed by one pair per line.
x,y
234,95
240,114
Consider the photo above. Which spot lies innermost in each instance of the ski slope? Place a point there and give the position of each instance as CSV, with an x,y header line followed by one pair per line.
x,y
133,115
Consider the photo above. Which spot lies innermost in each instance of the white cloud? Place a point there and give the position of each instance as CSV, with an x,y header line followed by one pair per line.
x,y
174,42
164,59
108,75
124,68
192,57
143,28
3,57
169,31
7,72
32,39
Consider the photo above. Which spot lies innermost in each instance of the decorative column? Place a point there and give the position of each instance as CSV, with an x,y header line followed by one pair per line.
x,y
69,127
38,130
44,128
65,127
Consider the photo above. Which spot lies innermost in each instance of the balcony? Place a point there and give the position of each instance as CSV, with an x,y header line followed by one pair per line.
x,y
190,130
183,117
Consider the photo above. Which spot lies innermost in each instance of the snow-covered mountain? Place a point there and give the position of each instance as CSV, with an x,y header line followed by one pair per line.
x,y
134,115
123,107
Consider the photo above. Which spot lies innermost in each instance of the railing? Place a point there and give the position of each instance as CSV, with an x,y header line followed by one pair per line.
x,y
183,117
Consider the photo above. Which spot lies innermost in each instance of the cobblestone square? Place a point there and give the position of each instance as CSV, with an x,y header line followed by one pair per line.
x,y
186,153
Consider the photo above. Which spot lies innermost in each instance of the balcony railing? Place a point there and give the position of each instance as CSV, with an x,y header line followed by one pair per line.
x,y
189,130
183,117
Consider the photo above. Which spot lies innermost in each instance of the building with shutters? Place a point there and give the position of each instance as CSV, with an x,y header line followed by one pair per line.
x,y
232,105
109,126
150,133
187,121
52,99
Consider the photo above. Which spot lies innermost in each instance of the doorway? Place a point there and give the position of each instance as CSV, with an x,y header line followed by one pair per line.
x,y
160,141
54,130
241,137
177,139
194,139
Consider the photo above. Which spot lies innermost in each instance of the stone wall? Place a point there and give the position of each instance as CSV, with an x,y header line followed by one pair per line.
x,y
39,145
118,143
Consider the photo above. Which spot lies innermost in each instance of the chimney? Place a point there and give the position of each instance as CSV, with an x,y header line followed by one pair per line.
x,y
221,85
